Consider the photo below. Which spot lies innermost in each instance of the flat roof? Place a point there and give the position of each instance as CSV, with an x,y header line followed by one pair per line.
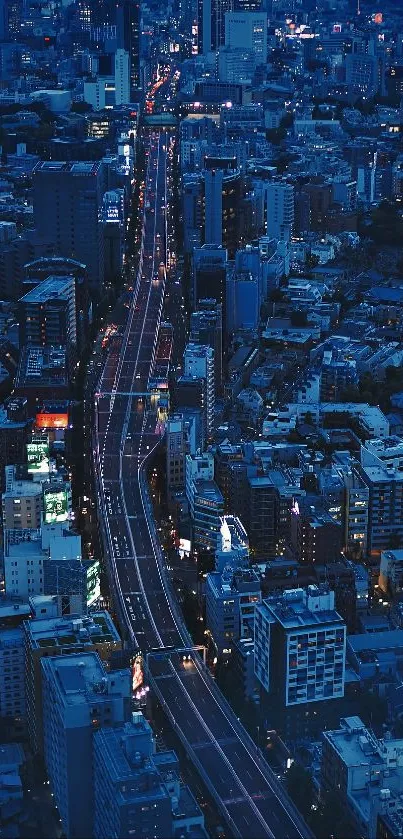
x,y
71,630
55,288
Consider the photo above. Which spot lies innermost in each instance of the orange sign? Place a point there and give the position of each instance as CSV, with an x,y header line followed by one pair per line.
x,y
52,420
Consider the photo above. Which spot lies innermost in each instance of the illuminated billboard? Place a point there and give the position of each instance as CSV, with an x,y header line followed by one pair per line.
x,y
38,457
56,505
93,582
52,420
139,689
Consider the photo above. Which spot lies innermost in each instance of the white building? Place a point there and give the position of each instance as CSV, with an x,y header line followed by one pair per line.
x,y
198,360
279,210
247,30
387,452
300,646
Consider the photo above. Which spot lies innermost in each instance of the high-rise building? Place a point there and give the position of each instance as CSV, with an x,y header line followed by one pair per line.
x,y
206,504
243,301
12,686
127,777
67,199
280,210
262,514
211,24
192,202
198,362
247,30
122,77
222,194
300,646
315,536
189,398
176,452
48,314
206,328
128,39
231,598
58,636
385,508
362,74
79,697
40,269
210,274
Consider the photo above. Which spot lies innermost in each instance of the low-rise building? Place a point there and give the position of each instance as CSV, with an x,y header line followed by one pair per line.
x,y
362,771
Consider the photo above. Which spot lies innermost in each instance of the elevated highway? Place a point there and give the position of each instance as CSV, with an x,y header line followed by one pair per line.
x,y
127,433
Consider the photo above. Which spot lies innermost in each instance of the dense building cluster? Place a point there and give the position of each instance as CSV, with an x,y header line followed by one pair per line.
x,y
275,494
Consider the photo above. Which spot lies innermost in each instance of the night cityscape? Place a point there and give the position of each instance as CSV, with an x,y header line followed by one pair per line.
x,y
201,419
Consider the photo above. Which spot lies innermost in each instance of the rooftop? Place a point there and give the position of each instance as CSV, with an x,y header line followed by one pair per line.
x,y
55,288
70,631
297,608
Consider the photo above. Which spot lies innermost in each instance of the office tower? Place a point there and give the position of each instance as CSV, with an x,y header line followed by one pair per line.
x,y
385,508
300,646
48,315
206,328
128,39
210,274
395,80
3,20
12,686
262,515
79,697
280,210
189,399
247,30
57,636
211,24
21,502
236,65
14,432
176,452
362,74
122,77
14,15
222,195
67,199
355,512
243,301
198,361
231,598
126,774
206,504
192,203
315,536
38,270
